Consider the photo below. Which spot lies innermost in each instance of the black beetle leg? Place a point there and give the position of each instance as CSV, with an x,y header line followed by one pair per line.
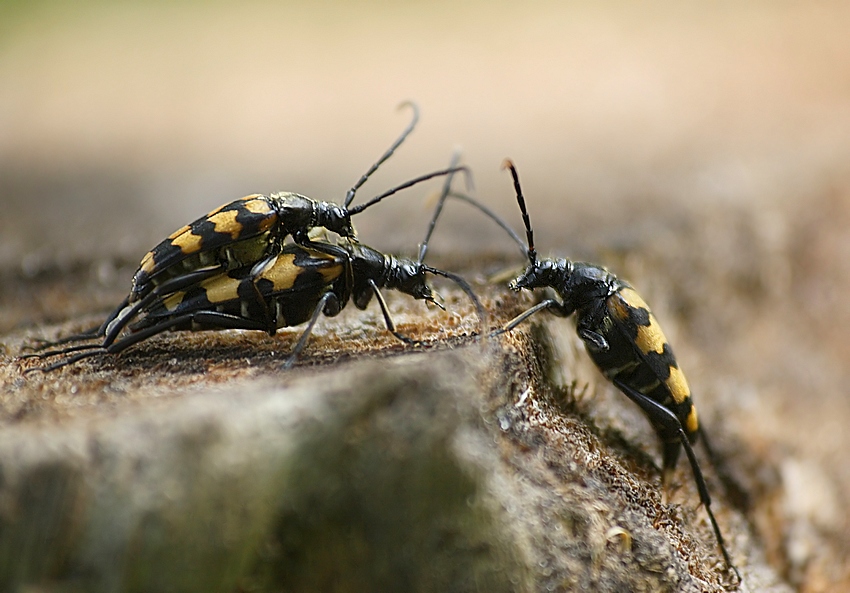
x,y
121,320
328,297
89,334
660,415
557,309
593,340
261,302
387,318
123,316
211,318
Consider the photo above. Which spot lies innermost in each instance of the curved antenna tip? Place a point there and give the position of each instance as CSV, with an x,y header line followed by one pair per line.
x,y
414,106
508,164
349,196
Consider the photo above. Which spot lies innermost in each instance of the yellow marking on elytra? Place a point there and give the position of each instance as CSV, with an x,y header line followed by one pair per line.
x,y
623,301
261,206
225,223
633,299
173,301
221,288
188,242
618,307
180,231
692,422
650,338
331,272
678,385
147,264
282,273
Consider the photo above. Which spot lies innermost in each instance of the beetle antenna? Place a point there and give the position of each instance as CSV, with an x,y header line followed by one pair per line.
x,y
349,197
495,217
447,186
529,233
411,183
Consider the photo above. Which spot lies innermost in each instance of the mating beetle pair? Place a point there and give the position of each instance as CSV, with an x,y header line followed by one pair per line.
x,y
232,269
293,287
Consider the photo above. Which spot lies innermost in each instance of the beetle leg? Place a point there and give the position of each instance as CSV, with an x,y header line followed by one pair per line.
x,y
118,321
593,340
261,302
329,298
67,350
387,318
660,415
556,307
212,318
89,334
114,327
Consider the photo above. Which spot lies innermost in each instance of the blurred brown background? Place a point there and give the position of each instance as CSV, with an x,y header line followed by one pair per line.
x,y
187,105
700,151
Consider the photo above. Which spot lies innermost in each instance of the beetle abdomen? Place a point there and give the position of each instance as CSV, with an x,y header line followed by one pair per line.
x,y
645,360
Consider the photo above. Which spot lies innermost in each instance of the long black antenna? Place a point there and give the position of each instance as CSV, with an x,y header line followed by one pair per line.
x,y
495,217
529,233
423,247
410,183
349,197
447,186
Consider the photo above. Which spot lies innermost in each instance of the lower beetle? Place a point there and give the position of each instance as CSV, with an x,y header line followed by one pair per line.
x,y
293,287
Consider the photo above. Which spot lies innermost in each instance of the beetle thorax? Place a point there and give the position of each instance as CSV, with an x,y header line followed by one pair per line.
x,y
408,277
587,283
296,212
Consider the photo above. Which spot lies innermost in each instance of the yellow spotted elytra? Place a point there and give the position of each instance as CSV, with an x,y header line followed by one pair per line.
x,y
625,341
296,285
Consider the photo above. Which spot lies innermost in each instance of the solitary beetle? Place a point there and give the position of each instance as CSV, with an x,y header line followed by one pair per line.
x,y
625,341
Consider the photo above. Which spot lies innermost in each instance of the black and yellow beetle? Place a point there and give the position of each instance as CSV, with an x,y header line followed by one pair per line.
x,y
295,286
625,341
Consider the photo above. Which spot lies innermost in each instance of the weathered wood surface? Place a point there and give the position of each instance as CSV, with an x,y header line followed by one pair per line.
x,y
192,464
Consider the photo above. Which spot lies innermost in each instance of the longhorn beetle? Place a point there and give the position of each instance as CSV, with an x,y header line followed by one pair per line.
x,y
250,230
292,287
625,341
